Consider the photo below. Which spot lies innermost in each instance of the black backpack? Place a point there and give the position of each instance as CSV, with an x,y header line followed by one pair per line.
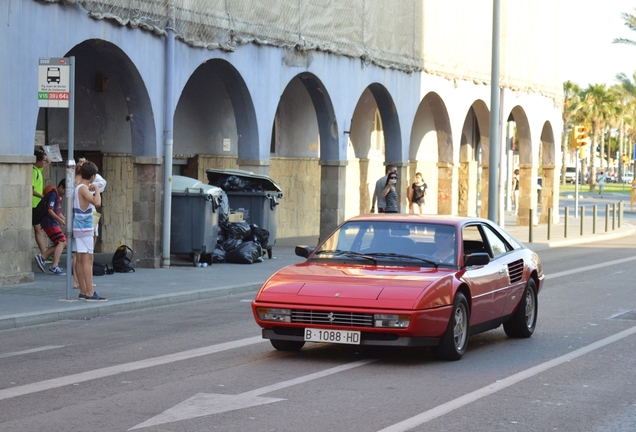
x,y
122,262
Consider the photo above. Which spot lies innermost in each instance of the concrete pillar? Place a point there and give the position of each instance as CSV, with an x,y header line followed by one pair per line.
x,y
547,193
147,211
484,192
527,194
445,188
17,240
467,189
332,195
404,180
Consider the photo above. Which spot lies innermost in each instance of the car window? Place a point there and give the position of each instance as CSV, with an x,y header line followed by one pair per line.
x,y
497,246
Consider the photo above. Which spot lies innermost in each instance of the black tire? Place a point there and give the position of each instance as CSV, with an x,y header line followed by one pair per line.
x,y
455,340
286,345
523,322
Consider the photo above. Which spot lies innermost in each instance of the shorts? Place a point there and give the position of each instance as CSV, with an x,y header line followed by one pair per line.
x,y
33,217
83,244
55,234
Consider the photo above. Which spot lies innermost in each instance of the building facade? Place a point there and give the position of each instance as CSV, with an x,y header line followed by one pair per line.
x,y
320,97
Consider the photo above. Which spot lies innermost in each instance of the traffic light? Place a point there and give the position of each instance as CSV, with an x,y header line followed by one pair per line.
x,y
583,152
625,158
579,137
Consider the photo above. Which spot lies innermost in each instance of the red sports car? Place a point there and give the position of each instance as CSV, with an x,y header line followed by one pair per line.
x,y
403,280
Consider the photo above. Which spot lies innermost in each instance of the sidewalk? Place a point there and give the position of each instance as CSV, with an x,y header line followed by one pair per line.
x,y
44,300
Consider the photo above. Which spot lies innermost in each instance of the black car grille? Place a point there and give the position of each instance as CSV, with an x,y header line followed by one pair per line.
x,y
332,318
515,271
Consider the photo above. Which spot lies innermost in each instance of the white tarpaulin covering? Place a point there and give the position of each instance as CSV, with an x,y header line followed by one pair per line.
x,y
450,38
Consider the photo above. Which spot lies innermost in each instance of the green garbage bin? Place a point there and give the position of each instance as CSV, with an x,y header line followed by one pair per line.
x,y
194,224
256,196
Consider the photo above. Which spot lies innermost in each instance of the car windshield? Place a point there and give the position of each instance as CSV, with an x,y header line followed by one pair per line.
x,y
396,243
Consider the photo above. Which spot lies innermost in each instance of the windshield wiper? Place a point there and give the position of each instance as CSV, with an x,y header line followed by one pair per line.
x,y
397,255
346,253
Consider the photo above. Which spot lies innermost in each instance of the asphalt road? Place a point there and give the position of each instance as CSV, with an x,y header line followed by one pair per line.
x,y
202,366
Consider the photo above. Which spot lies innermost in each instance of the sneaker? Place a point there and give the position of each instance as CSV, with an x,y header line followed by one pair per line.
x,y
82,296
57,271
40,262
95,298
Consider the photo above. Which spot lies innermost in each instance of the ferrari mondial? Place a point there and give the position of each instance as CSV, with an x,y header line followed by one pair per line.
x,y
403,280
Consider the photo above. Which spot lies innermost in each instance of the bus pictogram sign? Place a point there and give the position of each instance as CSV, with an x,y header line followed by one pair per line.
x,y
53,82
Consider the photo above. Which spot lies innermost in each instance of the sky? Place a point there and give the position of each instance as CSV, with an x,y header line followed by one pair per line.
x,y
589,27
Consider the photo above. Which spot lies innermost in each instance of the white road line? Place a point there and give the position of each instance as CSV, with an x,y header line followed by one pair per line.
x,y
589,267
126,367
29,351
502,384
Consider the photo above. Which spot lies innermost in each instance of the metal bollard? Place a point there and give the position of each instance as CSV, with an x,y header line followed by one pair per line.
x,y
620,213
613,216
606,217
530,228
594,213
582,219
549,221
565,223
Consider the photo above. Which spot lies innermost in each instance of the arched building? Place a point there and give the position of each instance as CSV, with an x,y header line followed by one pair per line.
x,y
320,99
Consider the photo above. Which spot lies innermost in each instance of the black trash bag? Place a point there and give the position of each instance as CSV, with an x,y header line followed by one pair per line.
x,y
248,252
224,210
261,235
218,256
239,230
222,236
231,244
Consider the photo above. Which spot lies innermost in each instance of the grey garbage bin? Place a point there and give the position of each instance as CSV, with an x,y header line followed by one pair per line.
x,y
254,195
194,224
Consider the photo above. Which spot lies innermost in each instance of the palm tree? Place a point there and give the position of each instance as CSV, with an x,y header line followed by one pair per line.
x,y
628,92
570,99
597,104
630,22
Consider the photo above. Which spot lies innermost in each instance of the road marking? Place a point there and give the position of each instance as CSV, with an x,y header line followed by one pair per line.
x,y
440,410
32,350
126,367
204,404
589,267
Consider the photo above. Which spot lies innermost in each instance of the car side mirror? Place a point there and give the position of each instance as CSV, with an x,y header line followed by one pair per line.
x,y
476,259
303,251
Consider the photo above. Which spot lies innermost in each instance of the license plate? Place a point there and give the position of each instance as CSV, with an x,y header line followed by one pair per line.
x,y
332,336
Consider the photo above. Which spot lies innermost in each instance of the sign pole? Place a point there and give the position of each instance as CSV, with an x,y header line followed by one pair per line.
x,y
70,181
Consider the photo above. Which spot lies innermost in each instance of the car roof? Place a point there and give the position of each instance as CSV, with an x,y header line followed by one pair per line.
x,y
457,221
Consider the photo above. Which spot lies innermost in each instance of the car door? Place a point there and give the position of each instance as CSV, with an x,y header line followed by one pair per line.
x,y
489,283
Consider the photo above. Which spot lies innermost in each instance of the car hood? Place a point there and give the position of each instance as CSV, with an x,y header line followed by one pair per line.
x,y
390,287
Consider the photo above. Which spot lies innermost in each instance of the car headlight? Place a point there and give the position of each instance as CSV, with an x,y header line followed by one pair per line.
x,y
386,320
274,314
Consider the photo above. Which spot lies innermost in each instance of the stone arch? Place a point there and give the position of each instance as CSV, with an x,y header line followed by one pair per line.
x,y
305,129
114,121
431,152
472,143
527,168
215,121
374,141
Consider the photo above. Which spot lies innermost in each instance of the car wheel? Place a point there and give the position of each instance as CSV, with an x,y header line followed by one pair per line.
x,y
524,320
455,340
286,345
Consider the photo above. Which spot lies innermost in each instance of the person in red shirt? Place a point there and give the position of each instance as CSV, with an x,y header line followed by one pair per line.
x,y
52,225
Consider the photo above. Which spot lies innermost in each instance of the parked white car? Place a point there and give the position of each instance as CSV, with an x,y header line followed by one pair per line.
x,y
628,177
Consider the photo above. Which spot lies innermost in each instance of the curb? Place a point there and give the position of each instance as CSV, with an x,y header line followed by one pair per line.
x,y
95,310
581,240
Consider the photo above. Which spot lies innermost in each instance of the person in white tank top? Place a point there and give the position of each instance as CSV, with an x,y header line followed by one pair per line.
x,y
85,199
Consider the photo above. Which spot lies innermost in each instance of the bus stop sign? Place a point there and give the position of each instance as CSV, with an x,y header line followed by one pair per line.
x,y
53,82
